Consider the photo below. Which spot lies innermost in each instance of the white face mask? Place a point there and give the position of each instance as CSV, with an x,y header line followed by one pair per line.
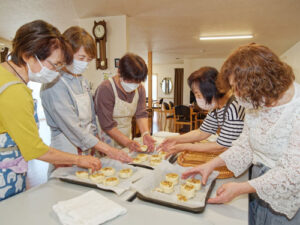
x,y
44,76
202,104
129,87
77,67
243,103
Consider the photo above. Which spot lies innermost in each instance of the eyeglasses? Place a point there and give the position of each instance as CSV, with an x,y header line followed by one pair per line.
x,y
57,67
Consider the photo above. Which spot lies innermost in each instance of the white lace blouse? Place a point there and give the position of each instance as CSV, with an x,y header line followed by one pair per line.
x,y
271,136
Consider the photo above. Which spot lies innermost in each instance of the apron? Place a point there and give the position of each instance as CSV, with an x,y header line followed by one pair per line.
x,y
13,167
122,114
260,212
83,103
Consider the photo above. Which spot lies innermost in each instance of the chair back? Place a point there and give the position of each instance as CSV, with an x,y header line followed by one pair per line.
x,y
182,111
171,104
166,106
161,101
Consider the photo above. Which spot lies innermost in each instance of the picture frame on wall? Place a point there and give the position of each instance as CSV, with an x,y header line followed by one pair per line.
x,y
117,61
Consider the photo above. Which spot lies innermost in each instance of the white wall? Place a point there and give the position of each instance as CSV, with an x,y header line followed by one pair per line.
x,y
162,71
292,57
190,65
116,45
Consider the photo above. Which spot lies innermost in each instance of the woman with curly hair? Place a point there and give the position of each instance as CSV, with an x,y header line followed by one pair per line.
x,y
270,141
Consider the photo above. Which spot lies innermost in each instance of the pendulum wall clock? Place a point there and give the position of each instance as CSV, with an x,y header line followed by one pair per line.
x,y
99,32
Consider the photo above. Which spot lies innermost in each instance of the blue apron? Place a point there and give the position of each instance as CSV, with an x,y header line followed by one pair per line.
x,y
260,213
12,179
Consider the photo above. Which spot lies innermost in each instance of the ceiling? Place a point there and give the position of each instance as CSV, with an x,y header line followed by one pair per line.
x,y
171,28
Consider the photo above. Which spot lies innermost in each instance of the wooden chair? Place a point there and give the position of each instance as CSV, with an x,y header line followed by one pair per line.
x,y
167,115
183,116
198,116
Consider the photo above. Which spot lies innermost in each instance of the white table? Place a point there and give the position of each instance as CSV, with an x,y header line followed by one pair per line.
x,y
34,207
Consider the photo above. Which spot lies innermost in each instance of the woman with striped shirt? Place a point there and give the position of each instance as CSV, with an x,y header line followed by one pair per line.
x,y
224,114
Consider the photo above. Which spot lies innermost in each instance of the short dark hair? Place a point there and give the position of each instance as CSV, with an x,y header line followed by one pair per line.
x,y
133,67
206,78
41,39
78,37
258,73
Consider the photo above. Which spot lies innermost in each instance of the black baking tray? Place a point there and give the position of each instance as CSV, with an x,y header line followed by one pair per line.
x,y
84,184
177,206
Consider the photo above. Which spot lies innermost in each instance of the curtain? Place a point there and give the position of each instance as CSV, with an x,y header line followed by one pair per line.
x,y
178,86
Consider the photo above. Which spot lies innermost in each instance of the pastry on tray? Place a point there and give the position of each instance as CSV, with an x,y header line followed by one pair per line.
x,y
172,177
188,190
137,160
181,198
143,157
167,186
108,171
155,162
195,182
144,148
162,154
82,174
97,177
111,181
125,173
154,157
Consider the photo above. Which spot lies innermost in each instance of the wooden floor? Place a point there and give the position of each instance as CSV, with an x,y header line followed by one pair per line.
x,y
37,170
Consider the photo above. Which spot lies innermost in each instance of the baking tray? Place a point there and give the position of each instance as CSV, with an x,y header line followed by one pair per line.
x,y
82,183
67,174
177,206
146,189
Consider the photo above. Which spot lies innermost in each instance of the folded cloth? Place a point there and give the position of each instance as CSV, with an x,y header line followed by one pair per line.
x,y
90,208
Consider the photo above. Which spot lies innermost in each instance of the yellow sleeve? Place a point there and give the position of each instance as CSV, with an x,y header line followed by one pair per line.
x,y
17,119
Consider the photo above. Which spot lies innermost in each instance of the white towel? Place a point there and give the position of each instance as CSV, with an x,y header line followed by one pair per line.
x,y
90,208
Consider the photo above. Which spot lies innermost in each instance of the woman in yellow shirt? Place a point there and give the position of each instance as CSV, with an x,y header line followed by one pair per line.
x,y
39,51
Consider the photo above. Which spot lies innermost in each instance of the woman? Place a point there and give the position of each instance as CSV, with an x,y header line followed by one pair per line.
x,y
120,98
38,52
270,139
68,103
224,114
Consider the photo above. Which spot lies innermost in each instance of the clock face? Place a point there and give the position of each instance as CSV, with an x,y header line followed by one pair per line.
x,y
99,31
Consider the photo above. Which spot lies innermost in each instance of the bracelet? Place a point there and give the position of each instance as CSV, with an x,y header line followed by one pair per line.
x,y
145,133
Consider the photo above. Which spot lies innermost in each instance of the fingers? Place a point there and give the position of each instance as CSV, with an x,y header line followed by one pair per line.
x,y
216,200
220,190
170,154
189,173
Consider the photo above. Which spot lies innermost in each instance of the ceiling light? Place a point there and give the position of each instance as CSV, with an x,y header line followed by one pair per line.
x,y
227,37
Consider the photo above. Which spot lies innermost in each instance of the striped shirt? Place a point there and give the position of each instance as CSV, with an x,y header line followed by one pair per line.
x,y
232,127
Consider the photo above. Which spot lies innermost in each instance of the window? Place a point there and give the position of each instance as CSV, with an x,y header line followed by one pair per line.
x,y
154,87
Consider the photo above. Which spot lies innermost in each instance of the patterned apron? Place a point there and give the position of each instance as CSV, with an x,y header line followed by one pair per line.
x,y
13,167
122,114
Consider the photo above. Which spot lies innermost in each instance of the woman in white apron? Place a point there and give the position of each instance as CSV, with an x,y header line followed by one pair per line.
x,y
69,107
118,100
270,141
32,58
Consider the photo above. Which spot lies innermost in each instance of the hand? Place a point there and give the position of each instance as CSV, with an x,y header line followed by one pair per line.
x,y
166,145
89,162
177,148
119,155
204,170
134,146
229,191
150,142
226,193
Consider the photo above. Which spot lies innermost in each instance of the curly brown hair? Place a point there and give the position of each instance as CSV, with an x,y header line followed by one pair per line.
x,y
258,75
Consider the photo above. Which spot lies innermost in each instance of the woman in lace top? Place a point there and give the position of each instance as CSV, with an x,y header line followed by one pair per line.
x,y
270,141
